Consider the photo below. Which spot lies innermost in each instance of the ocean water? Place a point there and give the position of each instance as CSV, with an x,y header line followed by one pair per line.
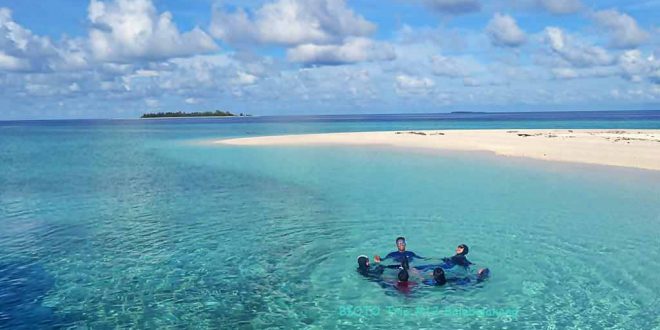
x,y
144,224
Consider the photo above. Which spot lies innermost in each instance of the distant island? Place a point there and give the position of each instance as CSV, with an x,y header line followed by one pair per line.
x,y
179,114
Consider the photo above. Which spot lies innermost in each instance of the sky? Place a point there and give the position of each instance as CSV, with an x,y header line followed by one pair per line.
x,y
68,59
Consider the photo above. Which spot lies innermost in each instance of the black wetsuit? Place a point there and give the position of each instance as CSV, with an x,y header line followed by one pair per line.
x,y
372,272
448,263
469,279
458,259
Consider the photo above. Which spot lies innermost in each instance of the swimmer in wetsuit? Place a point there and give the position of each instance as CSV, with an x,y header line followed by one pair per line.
x,y
366,270
373,272
459,259
401,254
440,279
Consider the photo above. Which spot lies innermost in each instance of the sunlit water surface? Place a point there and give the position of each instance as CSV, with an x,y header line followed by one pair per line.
x,y
143,224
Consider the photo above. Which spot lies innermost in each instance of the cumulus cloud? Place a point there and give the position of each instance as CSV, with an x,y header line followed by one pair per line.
x,y
12,63
406,84
21,50
454,6
574,52
623,29
353,50
130,30
454,67
504,32
244,78
636,67
291,22
561,6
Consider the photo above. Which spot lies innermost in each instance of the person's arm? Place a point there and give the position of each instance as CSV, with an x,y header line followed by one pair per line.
x,y
395,266
379,259
417,256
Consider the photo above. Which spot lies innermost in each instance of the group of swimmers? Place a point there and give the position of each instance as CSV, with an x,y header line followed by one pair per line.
x,y
401,260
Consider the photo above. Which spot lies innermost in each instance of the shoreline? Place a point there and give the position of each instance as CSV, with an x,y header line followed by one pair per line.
x,y
636,148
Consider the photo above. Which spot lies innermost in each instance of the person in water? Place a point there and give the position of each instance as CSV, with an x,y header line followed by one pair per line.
x,y
402,284
367,270
440,279
460,257
401,254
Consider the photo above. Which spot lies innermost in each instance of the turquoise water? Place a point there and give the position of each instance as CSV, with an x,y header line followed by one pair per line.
x,y
142,224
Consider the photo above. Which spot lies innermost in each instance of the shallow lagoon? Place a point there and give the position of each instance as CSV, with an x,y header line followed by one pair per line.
x,y
140,223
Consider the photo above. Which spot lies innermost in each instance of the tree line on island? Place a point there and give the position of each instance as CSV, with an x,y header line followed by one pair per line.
x,y
216,113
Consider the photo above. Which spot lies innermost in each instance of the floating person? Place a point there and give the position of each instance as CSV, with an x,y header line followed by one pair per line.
x,y
401,254
459,258
440,278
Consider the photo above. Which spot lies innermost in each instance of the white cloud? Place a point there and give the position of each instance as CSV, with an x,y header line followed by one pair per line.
x,y
353,50
291,22
454,6
244,78
455,66
132,30
623,29
591,72
573,51
21,50
504,32
636,67
561,6
192,100
12,63
406,84
152,103
410,82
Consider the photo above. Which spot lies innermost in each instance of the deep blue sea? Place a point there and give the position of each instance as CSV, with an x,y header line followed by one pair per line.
x,y
143,224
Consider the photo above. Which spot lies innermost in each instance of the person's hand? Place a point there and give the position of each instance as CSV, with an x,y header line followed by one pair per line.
x,y
377,258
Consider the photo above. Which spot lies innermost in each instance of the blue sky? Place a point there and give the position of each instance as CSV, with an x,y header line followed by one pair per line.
x,y
120,58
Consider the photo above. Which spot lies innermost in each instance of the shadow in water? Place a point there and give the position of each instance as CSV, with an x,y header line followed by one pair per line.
x,y
23,286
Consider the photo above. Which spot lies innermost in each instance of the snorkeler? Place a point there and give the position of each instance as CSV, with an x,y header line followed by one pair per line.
x,y
401,254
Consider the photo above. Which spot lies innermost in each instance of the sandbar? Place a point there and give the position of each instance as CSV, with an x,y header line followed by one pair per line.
x,y
637,148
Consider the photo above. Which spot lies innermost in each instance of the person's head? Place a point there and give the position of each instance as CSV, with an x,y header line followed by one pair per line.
x,y
462,250
439,276
401,243
483,273
363,262
403,275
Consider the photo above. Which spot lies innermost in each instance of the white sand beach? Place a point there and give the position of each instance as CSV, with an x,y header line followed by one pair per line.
x,y
615,147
